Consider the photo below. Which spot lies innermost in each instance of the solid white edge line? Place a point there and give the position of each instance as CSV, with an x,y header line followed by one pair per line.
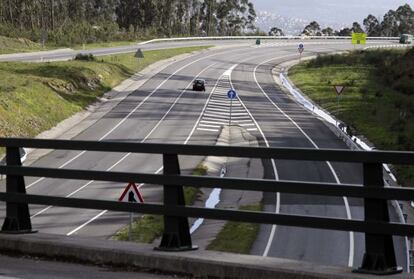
x,y
87,223
277,209
347,208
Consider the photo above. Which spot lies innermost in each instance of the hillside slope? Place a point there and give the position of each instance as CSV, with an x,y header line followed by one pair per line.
x,y
13,45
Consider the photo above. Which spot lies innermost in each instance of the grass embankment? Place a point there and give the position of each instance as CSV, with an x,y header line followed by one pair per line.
x,y
104,45
237,237
34,97
13,45
378,101
147,228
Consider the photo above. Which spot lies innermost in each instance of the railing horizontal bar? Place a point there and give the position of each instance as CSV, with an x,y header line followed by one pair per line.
x,y
263,185
219,214
394,157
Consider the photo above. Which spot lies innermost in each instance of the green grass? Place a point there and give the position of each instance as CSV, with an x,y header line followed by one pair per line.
x,y
13,45
378,101
147,228
144,230
34,97
17,45
237,237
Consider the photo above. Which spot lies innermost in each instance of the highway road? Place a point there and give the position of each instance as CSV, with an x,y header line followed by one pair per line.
x,y
165,110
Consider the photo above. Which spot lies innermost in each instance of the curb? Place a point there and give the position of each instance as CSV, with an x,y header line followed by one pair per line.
x,y
204,264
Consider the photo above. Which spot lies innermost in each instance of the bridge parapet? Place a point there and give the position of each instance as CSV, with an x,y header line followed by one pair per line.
x,y
379,256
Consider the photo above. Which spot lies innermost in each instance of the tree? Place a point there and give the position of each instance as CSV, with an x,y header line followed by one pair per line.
x,y
344,32
398,22
356,28
65,20
312,29
328,31
372,26
276,32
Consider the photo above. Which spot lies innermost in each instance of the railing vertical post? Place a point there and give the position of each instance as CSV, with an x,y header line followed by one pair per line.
x,y
17,214
379,255
176,236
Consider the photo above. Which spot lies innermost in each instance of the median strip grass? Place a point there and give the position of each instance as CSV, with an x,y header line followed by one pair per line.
x,y
34,97
147,228
378,101
237,237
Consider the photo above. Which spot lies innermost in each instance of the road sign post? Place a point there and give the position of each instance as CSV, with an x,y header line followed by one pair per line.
x,y
131,194
139,54
231,95
301,48
339,89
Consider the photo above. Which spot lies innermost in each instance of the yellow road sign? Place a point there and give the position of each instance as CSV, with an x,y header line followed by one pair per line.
x,y
359,38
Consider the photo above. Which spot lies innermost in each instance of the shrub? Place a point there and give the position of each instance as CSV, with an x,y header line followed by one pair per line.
x,y
85,57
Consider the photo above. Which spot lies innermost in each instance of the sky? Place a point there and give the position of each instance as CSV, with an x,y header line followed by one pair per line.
x,y
330,11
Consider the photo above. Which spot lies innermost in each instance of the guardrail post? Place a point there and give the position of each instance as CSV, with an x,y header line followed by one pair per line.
x,y
379,255
17,214
176,236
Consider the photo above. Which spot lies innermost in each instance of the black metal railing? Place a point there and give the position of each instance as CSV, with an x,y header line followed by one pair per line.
x,y
379,255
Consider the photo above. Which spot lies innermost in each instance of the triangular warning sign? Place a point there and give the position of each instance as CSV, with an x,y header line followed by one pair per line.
x,y
139,54
339,89
131,194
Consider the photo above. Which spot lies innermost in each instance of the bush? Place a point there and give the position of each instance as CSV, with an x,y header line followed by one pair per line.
x,y
85,57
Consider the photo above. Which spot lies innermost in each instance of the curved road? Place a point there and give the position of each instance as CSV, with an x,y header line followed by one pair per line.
x,y
165,110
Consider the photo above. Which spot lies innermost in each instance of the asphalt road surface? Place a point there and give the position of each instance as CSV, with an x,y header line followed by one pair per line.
x,y
165,110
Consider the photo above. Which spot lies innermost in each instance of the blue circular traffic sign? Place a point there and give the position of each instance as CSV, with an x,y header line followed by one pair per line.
x,y
232,94
301,45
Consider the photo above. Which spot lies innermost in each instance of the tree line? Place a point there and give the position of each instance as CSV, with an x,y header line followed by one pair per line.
x,y
393,24
78,21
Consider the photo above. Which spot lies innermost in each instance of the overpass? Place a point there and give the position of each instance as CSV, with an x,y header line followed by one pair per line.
x,y
379,255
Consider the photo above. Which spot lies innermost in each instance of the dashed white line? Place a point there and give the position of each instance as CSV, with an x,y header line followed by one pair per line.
x,y
348,211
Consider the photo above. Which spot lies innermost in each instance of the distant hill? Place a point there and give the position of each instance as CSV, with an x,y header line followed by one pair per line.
x,y
329,12
290,25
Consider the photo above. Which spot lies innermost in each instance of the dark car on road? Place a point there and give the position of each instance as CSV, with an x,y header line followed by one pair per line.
x,y
199,85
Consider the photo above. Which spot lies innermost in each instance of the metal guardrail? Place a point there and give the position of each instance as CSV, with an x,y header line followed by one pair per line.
x,y
264,38
379,256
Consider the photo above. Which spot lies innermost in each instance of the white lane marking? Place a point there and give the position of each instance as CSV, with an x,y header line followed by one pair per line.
x,y
248,124
208,125
239,113
161,168
143,140
129,114
87,223
216,116
190,135
347,208
207,130
213,120
220,113
272,232
226,110
241,121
